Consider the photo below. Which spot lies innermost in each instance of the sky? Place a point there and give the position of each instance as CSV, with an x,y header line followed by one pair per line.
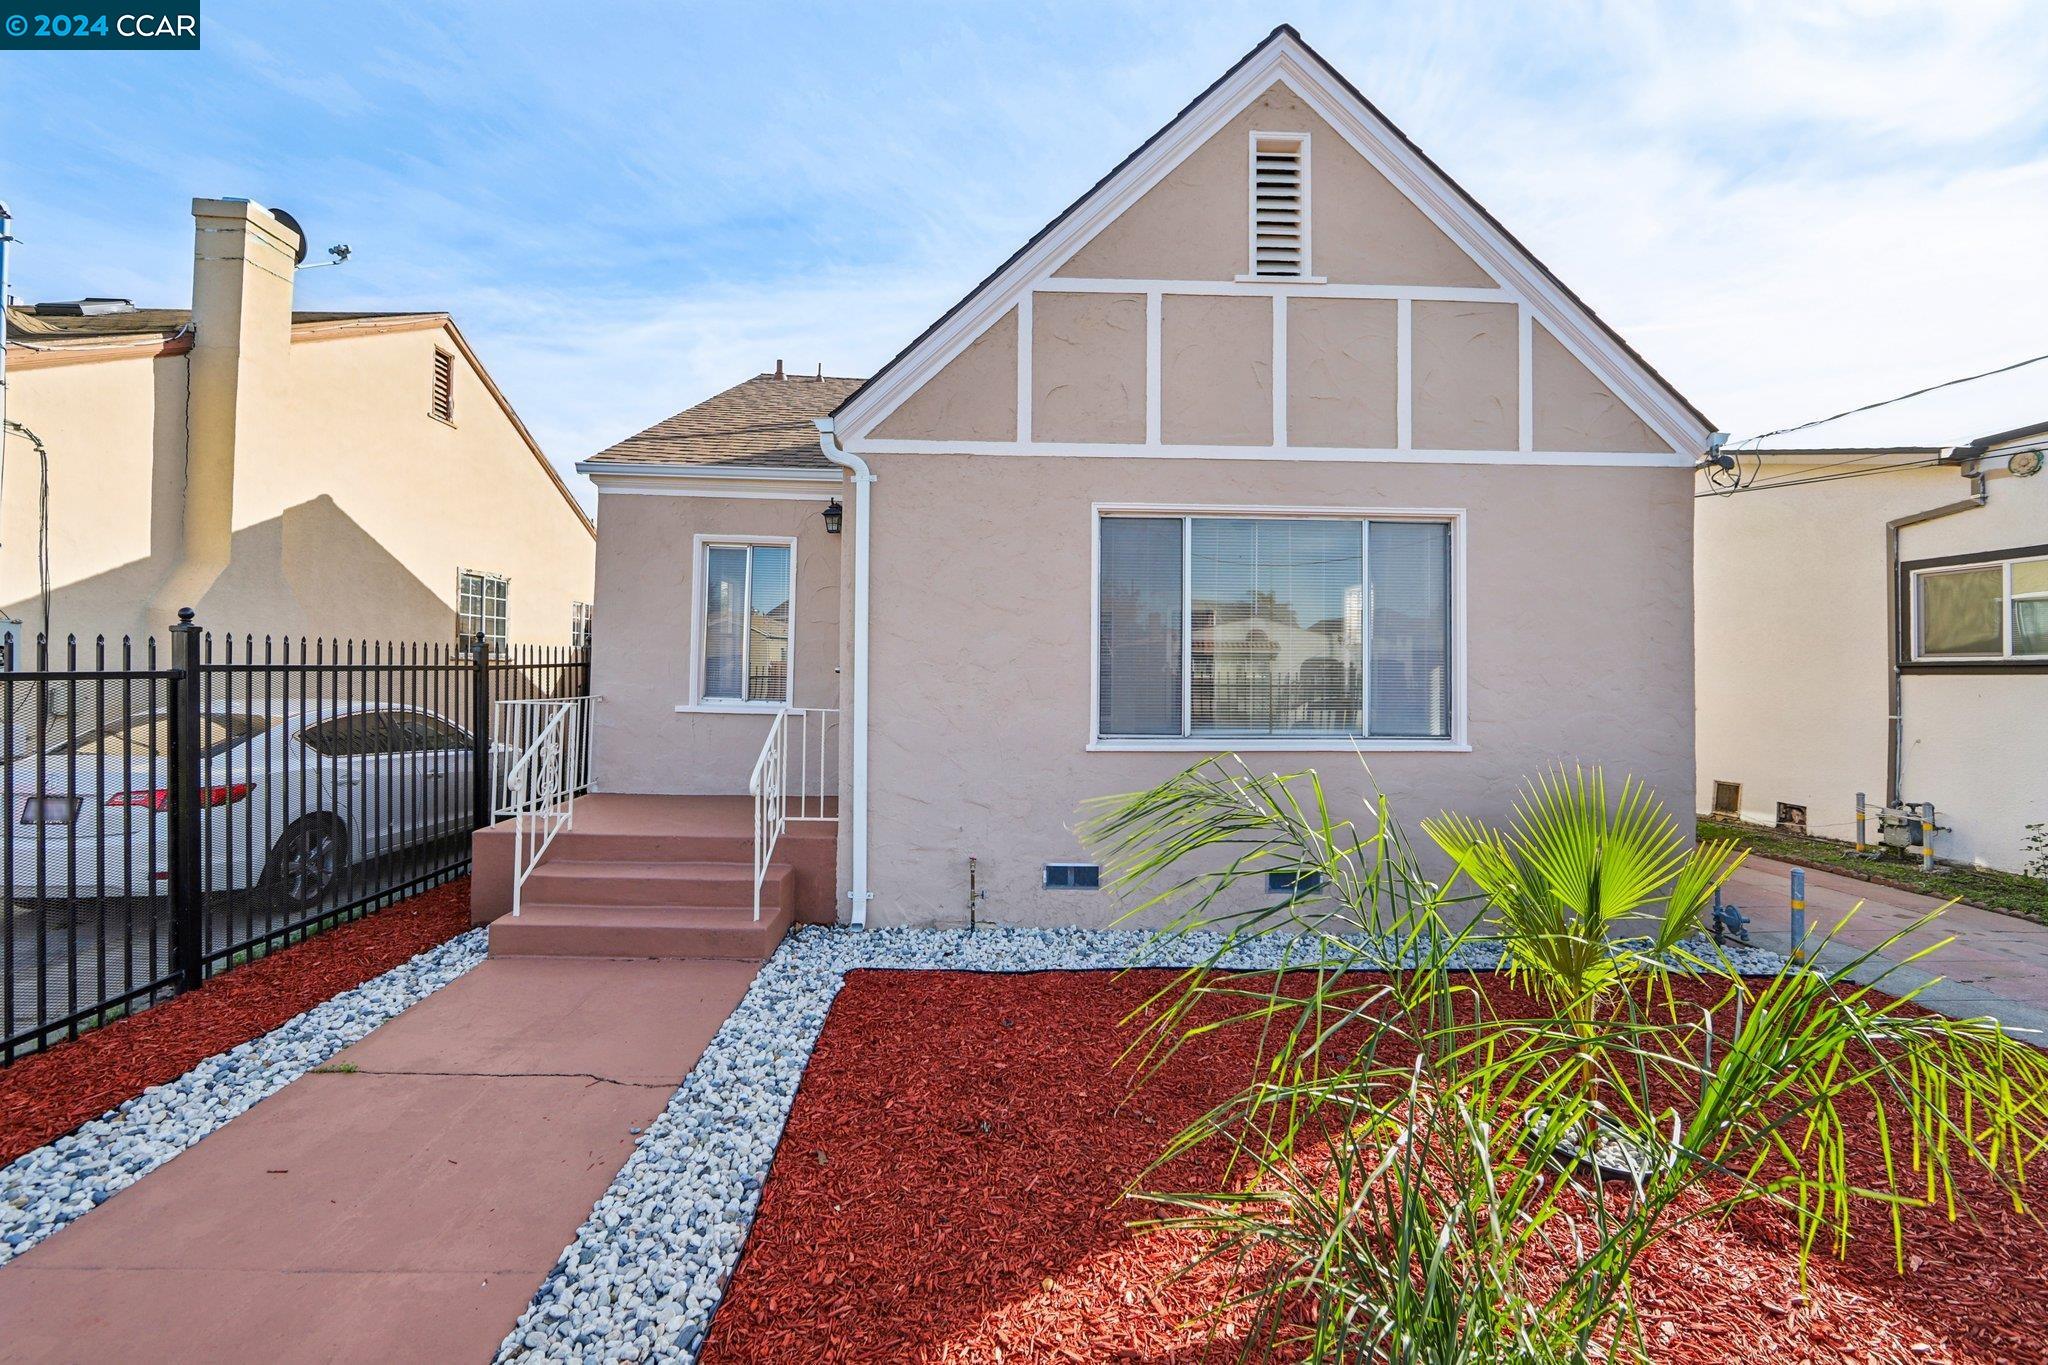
x,y
1789,208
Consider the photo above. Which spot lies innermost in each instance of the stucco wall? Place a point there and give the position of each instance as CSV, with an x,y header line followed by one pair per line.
x,y
1573,410
1088,367
1580,648
974,398
1794,656
115,430
352,507
1193,225
641,666
1467,376
1216,370
1342,372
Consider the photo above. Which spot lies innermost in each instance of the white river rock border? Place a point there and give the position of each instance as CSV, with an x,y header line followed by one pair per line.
x,y
42,1191
647,1269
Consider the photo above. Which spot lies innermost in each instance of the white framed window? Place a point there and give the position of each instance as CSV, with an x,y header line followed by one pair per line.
x,y
1277,628
579,625
744,600
483,602
1986,610
1278,185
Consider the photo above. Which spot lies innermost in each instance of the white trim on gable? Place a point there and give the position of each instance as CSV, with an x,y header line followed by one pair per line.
x,y
1284,59
1599,459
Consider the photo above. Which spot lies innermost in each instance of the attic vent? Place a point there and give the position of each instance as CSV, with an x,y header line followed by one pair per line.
x,y
443,401
1279,206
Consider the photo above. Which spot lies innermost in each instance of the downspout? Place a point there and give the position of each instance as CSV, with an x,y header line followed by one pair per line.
x,y
864,488
1896,643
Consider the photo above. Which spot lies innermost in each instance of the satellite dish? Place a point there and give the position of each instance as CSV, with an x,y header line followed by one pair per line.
x,y
298,257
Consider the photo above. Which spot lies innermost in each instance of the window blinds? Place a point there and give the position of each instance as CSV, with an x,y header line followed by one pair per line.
x,y
1263,627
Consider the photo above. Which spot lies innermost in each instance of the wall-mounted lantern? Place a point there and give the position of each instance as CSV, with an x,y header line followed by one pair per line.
x,y
834,514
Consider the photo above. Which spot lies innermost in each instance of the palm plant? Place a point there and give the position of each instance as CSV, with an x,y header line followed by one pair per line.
x,y
1389,1192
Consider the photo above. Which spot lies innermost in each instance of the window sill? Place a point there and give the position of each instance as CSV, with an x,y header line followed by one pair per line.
x,y
1222,745
731,708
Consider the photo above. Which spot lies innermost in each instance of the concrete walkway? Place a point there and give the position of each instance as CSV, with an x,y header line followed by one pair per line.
x,y
405,1211
1997,965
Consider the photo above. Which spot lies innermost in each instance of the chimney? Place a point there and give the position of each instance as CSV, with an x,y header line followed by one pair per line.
x,y
778,369
237,385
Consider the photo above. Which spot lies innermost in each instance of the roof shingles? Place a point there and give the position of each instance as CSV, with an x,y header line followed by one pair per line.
x,y
764,423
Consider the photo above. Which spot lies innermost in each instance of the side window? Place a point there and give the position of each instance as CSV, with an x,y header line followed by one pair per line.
x,y
361,735
482,603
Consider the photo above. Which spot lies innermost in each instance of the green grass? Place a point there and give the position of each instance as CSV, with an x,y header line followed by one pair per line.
x,y
2026,897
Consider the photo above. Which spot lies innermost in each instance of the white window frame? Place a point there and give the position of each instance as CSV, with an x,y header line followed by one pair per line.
x,y
700,549
2005,601
1251,203
579,624
1456,743
496,644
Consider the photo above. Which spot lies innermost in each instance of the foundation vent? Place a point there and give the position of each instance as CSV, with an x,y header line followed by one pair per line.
x,y
1072,876
1791,818
1279,207
1728,799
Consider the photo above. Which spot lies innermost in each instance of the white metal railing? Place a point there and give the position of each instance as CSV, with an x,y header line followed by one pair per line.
x,y
814,732
538,765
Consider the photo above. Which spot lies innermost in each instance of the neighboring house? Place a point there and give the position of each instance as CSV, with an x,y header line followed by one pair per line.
x,y
283,473
1876,621
1275,442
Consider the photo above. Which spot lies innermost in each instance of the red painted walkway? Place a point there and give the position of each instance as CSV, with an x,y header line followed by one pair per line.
x,y
403,1212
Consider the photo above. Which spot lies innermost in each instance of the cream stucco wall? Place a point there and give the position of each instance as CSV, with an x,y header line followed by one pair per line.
x,y
1579,647
1794,657
642,667
1467,376
352,508
115,430
1573,410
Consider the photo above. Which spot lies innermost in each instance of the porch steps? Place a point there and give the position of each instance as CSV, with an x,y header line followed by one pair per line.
x,y
655,876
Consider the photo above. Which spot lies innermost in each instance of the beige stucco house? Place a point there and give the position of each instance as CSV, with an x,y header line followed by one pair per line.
x,y
284,473
1274,443
1876,621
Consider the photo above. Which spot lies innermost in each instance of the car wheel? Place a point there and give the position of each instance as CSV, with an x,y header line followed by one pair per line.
x,y
306,862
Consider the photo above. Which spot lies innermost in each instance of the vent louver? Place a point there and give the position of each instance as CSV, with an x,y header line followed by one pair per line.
x,y
1279,208
443,399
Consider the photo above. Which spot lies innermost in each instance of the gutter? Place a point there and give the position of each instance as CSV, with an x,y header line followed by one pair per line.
x,y
1896,644
864,485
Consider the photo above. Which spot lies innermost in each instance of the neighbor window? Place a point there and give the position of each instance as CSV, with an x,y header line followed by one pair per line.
x,y
1990,610
1273,628
441,400
1279,194
745,648
579,625
481,600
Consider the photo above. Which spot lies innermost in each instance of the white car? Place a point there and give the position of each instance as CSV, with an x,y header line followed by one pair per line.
x,y
292,799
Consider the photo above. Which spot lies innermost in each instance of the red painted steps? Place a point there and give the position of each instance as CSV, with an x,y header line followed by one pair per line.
x,y
574,908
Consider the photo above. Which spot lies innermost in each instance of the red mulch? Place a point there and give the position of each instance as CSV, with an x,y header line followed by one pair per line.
x,y
47,1094
948,1191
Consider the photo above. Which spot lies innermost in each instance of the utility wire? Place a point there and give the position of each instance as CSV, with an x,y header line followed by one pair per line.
x,y
1924,462
1887,402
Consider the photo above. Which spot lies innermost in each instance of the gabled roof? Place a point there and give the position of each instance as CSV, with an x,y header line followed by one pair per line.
x,y
1283,42
764,423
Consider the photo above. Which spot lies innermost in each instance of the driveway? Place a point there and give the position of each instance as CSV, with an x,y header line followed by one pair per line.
x,y
1997,965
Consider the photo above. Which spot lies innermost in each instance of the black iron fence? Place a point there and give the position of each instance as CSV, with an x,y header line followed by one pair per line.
x,y
173,813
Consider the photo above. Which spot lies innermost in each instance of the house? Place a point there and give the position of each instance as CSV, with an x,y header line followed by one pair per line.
x,y
1875,620
1274,443
285,473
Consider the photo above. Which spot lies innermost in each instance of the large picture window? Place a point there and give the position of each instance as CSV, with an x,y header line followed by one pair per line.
x,y
746,609
1273,628
1987,610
